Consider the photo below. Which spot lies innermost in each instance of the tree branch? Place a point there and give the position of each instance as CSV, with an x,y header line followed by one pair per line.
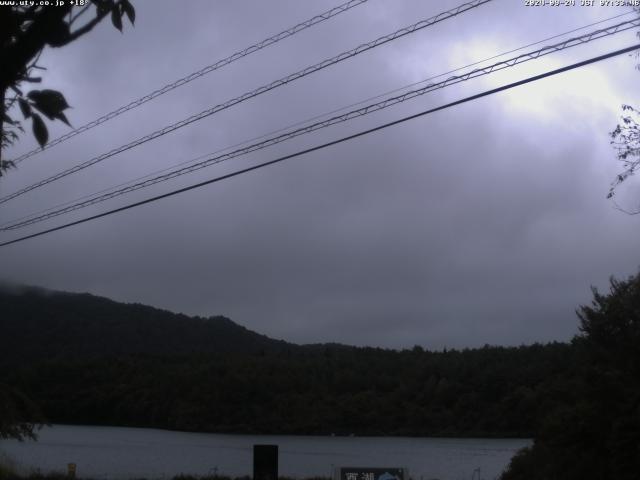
x,y
26,48
79,14
623,210
2,95
85,29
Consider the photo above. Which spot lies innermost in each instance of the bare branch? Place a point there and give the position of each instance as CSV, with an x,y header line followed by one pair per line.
x,y
625,138
35,61
623,210
10,103
79,14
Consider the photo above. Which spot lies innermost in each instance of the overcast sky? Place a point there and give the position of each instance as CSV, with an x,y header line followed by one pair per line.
x,y
483,223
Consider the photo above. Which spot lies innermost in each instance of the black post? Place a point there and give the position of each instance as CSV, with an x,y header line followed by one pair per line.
x,y
265,462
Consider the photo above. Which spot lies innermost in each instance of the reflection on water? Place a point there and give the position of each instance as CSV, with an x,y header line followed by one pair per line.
x,y
119,453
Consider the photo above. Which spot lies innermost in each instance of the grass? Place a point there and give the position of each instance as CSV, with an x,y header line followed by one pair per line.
x,y
12,475
8,468
9,471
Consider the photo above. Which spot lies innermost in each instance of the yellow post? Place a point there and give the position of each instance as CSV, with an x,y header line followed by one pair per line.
x,y
71,470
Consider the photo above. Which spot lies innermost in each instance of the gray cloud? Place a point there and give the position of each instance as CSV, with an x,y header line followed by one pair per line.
x,y
485,223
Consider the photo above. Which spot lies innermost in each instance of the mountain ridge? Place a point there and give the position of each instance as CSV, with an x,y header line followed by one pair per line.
x,y
90,360
42,323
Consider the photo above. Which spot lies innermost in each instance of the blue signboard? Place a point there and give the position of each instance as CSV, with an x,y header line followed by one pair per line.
x,y
364,473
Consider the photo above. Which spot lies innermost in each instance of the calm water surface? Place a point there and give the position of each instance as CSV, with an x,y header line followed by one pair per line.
x,y
121,453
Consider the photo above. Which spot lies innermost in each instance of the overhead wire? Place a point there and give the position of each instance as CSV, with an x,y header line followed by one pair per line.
x,y
98,198
203,71
263,89
315,117
334,142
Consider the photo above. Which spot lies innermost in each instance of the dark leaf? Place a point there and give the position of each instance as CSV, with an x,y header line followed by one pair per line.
x,y
128,9
24,107
6,165
49,102
40,130
7,119
116,19
58,34
103,6
63,117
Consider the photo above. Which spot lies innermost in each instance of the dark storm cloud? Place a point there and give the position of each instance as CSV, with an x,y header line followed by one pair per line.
x,y
480,224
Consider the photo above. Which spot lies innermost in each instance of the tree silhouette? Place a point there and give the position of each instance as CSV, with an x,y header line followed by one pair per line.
x,y
20,417
625,138
595,432
24,32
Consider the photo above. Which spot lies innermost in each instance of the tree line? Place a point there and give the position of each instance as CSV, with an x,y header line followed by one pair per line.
x,y
579,401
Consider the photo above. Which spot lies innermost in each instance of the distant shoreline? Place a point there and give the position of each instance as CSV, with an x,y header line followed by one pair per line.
x,y
319,435
127,453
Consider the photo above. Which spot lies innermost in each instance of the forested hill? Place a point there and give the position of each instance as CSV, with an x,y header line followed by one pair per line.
x,y
42,324
89,360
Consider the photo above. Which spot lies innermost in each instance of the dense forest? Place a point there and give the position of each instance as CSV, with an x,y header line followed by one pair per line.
x,y
88,360
41,324
595,432
491,391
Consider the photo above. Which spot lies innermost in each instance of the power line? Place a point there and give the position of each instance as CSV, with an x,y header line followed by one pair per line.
x,y
204,71
338,119
315,117
98,198
334,142
265,88
462,68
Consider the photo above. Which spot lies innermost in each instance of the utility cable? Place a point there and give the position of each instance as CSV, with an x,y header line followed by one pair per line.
x,y
204,71
315,117
98,198
322,115
265,88
334,142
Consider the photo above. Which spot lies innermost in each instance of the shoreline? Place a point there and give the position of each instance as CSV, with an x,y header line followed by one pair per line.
x,y
137,453
301,435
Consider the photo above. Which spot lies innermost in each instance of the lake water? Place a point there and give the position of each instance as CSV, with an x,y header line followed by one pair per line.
x,y
123,453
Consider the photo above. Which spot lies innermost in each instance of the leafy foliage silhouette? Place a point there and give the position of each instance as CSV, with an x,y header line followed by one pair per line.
x,y
594,431
625,138
24,32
